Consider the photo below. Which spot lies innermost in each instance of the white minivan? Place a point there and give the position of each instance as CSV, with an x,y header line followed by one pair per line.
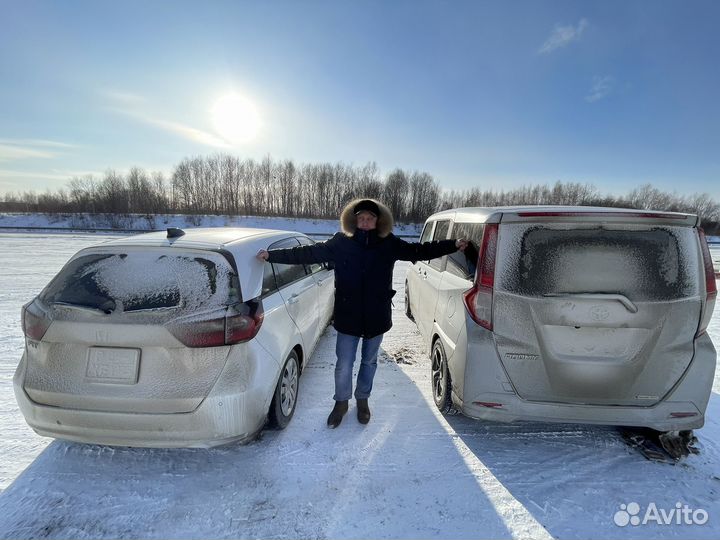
x,y
569,314
177,339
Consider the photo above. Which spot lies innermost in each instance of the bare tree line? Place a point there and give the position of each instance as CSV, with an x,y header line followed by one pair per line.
x,y
222,184
645,197
226,185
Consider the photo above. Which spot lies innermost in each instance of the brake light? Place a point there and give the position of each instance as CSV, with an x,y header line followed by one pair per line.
x,y
35,322
240,323
478,300
710,285
244,324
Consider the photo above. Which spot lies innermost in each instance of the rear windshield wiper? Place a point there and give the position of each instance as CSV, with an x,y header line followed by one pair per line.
x,y
106,308
159,309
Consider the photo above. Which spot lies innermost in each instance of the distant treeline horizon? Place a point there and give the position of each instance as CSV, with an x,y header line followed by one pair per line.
x,y
222,184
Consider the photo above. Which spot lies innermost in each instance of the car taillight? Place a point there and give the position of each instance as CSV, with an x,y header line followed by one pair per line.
x,y
244,324
239,323
478,300
710,285
35,322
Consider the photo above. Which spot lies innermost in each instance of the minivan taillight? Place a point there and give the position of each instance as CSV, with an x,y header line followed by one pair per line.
x,y
479,299
710,285
35,322
239,323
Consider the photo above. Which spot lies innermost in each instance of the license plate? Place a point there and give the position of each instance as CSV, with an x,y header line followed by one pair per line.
x,y
115,366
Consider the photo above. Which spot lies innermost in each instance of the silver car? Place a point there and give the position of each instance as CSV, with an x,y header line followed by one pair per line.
x,y
182,339
569,314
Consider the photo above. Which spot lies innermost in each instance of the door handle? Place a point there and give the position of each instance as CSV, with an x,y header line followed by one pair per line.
x,y
294,297
304,289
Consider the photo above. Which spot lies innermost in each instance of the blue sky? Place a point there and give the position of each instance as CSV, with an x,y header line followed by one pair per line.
x,y
489,94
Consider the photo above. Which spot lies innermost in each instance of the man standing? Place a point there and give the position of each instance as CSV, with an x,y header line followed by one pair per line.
x,y
364,254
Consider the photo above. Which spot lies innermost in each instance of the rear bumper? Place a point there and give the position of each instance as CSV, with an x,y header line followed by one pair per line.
x,y
690,395
657,417
232,412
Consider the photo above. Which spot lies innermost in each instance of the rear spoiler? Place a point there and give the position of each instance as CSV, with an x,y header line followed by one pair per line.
x,y
602,215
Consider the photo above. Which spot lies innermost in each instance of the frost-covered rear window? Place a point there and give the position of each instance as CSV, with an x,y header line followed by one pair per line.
x,y
143,281
645,264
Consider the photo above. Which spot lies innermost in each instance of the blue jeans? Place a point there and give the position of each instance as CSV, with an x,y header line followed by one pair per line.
x,y
346,350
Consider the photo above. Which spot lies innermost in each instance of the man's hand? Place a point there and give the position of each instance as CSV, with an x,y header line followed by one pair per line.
x,y
461,244
262,255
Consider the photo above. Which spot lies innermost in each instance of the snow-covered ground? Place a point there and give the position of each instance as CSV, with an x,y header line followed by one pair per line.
x,y
410,473
139,222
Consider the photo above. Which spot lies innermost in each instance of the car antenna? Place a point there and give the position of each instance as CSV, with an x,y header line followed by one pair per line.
x,y
174,232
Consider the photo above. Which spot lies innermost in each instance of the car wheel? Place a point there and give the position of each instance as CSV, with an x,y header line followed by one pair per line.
x,y
408,311
441,384
283,403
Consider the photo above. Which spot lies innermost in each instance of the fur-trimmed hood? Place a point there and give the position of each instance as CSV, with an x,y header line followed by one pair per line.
x,y
348,221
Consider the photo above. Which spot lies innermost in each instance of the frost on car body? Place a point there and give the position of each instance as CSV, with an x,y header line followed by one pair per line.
x,y
569,289
156,341
571,314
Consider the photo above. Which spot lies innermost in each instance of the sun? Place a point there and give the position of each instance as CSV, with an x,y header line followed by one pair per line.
x,y
235,119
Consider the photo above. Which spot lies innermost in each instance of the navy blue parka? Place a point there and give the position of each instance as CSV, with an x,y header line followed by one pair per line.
x,y
364,264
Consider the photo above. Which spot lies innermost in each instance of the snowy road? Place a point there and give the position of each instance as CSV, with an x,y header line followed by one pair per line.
x,y
410,473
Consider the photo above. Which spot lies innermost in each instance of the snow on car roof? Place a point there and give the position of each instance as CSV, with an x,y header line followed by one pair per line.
x,y
208,237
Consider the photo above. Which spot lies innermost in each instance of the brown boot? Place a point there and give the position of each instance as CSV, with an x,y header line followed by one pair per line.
x,y
336,416
363,411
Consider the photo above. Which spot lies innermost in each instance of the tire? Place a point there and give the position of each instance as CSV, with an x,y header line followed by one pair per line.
x,y
408,311
284,401
440,379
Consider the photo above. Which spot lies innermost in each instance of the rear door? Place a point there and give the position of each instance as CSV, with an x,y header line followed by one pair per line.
x,y
299,292
458,278
427,282
325,280
596,310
